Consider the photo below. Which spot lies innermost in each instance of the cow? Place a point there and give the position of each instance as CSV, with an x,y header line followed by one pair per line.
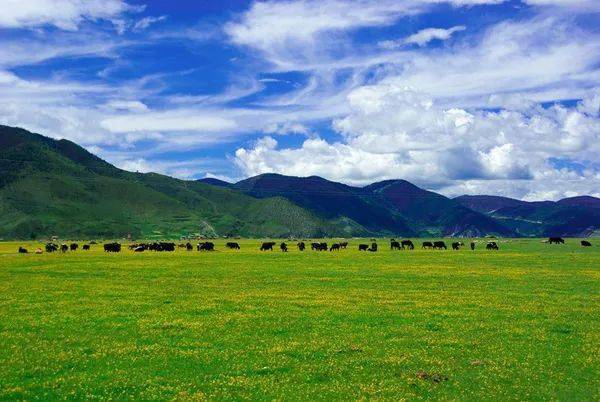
x,y
344,244
427,244
85,247
456,245
232,245
73,246
283,247
407,244
556,240
438,245
161,246
319,246
51,247
139,248
39,251
472,245
64,248
492,246
586,243
394,245
363,247
268,245
206,246
301,246
335,246
373,247
112,247
188,246
23,250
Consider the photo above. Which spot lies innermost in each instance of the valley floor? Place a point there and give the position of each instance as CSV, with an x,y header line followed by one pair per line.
x,y
521,323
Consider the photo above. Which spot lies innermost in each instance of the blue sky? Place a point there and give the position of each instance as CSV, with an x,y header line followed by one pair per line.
x,y
458,96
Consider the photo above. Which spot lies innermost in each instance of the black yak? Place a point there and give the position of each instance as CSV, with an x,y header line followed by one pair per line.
x,y
268,245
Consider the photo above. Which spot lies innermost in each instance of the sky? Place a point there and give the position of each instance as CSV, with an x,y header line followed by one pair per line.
x,y
497,97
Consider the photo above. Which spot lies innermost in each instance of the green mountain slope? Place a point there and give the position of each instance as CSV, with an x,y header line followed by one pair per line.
x,y
52,187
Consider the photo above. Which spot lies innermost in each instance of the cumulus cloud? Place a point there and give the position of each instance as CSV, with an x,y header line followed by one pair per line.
x,y
394,132
63,14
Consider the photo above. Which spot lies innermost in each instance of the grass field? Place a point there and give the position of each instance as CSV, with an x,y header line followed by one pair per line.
x,y
522,323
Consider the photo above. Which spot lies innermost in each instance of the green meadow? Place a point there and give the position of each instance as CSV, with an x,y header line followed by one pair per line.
x,y
521,323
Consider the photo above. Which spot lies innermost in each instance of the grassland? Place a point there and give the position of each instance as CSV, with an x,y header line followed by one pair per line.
x,y
519,324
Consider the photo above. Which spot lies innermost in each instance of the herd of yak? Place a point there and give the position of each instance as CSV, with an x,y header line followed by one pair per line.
x,y
269,246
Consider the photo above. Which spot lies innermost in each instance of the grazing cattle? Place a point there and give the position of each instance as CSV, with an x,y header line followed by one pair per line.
x,y
301,246
335,246
407,244
373,248
85,247
39,251
586,243
112,247
161,246
139,248
51,247
206,246
283,247
456,245
394,245
268,245
319,246
556,240
188,246
232,245
438,245
74,246
472,245
344,244
363,247
64,248
427,244
492,246
23,250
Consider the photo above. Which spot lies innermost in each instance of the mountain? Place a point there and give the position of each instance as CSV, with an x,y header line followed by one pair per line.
x,y
55,187
214,182
434,214
50,187
329,200
396,206
569,217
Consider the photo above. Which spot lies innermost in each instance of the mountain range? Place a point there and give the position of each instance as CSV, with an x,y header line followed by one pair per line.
x,y
55,187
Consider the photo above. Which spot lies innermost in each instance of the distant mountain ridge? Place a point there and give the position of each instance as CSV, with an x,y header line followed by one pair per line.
x,y
574,217
50,187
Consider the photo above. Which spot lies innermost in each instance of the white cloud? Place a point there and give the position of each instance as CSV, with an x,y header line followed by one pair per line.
x,y
64,14
423,37
177,120
295,31
127,105
393,132
147,21
576,5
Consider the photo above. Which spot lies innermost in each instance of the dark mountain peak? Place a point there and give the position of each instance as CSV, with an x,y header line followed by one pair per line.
x,y
273,183
580,201
397,186
215,182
